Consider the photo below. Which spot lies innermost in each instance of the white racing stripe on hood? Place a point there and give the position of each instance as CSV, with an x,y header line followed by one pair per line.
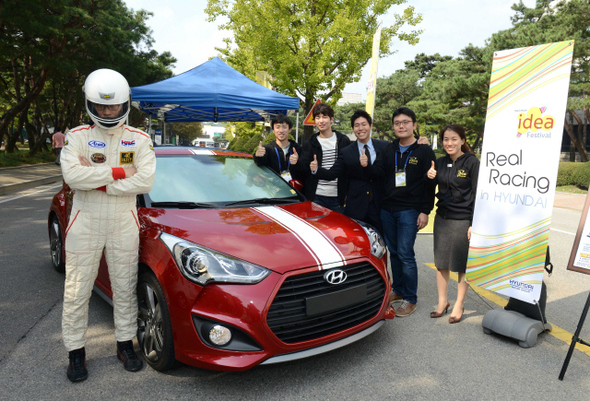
x,y
324,251
202,152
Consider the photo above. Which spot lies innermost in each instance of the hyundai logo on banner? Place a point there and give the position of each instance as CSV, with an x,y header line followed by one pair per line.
x,y
335,277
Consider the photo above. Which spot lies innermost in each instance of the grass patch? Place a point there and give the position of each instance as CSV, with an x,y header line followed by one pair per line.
x,y
572,189
22,156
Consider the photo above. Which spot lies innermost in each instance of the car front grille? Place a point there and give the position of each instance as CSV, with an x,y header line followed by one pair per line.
x,y
289,317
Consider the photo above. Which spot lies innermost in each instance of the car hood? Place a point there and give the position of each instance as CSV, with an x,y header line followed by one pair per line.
x,y
280,238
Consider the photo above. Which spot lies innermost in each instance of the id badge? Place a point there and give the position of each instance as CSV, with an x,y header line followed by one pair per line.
x,y
285,175
400,178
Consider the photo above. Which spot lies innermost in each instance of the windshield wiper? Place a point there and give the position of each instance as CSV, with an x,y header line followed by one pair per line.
x,y
265,201
185,205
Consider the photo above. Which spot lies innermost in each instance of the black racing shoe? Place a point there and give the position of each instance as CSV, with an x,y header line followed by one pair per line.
x,y
127,355
77,371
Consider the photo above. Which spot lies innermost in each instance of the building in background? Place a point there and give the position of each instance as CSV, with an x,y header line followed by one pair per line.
x,y
350,98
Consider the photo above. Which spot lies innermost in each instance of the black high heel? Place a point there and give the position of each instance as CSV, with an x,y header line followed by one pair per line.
x,y
435,314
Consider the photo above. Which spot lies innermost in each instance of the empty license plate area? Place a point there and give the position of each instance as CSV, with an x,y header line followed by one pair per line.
x,y
327,303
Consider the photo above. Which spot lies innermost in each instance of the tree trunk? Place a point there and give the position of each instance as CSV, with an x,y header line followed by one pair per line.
x,y
9,116
580,146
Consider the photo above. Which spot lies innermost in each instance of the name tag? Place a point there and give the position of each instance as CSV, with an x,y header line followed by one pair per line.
x,y
400,178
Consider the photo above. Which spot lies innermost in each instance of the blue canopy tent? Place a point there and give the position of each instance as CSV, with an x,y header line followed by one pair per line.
x,y
212,91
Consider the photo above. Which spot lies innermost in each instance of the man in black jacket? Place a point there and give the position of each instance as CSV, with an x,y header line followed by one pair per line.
x,y
408,198
322,150
363,197
281,155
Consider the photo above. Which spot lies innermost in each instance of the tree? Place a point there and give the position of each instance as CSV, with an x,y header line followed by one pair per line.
x,y
187,132
455,91
49,47
553,21
393,92
310,48
424,64
342,116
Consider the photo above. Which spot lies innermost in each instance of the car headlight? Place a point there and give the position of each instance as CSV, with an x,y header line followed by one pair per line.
x,y
202,265
377,244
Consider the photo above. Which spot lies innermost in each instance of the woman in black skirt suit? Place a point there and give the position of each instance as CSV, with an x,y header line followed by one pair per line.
x,y
456,176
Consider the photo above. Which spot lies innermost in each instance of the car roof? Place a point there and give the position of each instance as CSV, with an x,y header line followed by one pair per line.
x,y
197,150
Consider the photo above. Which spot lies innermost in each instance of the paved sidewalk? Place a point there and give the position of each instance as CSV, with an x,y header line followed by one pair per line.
x,y
13,179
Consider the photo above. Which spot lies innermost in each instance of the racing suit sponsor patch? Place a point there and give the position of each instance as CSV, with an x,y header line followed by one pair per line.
x,y
97,144
127,157
98,158
127,142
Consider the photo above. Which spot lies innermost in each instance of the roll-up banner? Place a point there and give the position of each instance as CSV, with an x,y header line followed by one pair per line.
x,y
518,170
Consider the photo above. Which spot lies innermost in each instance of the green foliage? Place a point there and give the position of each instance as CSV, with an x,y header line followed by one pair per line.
x,y
22,156
342,116
565,176
252,144
232,143
239,145
581,175
187,132
48,48
393,92
309,48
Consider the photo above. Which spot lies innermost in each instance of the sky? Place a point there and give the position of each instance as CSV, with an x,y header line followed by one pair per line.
x,y
181,27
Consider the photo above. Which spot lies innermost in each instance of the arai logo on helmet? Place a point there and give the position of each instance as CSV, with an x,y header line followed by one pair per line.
x,y
97,144
106,96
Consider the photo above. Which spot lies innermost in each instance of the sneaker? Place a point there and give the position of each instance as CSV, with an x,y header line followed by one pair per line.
x,y
405,309
77,371
127,355
393,298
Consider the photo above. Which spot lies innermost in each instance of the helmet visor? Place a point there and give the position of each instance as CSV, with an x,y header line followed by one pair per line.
x,y
109,115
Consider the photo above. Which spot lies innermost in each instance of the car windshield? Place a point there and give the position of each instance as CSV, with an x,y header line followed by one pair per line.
x,y
201,181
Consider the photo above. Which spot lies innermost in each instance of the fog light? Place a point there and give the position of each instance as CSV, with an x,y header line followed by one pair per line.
x,y
219,335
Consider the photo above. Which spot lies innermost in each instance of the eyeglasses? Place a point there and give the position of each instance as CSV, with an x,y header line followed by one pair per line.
x,y
400,123
109,107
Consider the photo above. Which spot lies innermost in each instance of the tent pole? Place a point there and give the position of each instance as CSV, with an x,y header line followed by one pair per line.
x,y
164,131
297,128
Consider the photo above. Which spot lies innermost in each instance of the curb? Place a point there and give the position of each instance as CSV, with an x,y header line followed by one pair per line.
x,y
25,166
19,186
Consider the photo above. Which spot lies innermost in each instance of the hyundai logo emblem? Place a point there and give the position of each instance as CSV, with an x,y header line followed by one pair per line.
x,y
335,277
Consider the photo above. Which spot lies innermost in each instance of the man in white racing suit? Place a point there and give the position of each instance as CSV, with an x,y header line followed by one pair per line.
x,y
107,164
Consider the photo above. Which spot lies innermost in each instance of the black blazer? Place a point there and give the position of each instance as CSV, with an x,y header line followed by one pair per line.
x,y
362,189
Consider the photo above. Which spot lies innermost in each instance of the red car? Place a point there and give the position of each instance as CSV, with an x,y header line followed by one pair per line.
x,y
238,269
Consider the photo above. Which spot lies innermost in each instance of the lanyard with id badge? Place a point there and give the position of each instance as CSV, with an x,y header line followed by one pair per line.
x,y
400,173
285,175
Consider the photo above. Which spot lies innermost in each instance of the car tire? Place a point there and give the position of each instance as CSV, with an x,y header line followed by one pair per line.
x,y
56,245
154,331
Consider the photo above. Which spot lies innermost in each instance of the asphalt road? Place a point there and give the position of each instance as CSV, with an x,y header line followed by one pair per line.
x,y
412,358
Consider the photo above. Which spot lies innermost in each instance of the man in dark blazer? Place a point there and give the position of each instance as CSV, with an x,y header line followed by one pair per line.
x,y
363,194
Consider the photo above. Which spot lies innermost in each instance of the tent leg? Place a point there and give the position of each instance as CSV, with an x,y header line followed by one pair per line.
x,y
297,128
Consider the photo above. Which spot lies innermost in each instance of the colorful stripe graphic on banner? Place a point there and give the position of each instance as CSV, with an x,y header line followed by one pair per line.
x,y
518,170
510,257
517,74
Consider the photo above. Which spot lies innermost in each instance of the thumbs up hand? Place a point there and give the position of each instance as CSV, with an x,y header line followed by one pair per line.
x,y
431,172
364,159
313,166
294,157
261,150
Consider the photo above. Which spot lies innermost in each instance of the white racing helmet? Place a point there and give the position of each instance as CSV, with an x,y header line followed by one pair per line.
x,y
105,90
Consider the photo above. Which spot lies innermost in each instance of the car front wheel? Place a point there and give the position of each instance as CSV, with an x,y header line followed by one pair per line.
x,y
154,331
